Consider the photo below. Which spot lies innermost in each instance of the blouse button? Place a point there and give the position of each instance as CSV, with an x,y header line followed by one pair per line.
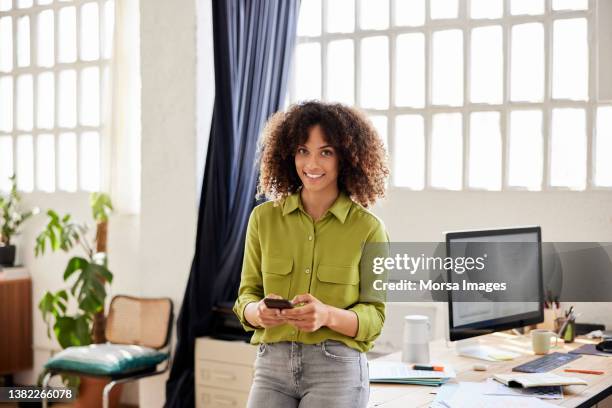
x,y
310,237
307,271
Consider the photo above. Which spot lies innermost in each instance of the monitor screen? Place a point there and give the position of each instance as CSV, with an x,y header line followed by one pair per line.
x,y
522,262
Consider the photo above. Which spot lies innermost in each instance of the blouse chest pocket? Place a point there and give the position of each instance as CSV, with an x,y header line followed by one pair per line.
x,y
276,275
337,285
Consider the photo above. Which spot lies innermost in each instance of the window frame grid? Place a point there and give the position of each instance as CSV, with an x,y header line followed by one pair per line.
x,y
103,63
466,24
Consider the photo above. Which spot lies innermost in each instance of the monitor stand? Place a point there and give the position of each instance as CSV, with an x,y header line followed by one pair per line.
x,y
474,349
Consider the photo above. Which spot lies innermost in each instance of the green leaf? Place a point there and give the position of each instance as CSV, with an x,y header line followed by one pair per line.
x,y
101,206
75,264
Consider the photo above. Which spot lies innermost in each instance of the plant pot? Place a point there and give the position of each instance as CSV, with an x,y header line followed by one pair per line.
x,y
7,255
90,393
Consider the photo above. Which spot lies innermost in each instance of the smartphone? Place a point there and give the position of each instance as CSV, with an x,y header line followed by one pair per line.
x,y
278,303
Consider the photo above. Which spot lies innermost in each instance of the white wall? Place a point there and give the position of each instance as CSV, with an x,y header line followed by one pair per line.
x,y
168,204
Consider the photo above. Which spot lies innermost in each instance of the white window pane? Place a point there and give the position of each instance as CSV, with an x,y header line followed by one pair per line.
x,y
341,16
109,24
447,68
24,3
90,96
446,151
67,98
67,152
106,92
374,81
374,14
341,72
570,4
6,5
568,149
45,100
308,71
410,70
46,43
90,161
527,63
487,70
45,162
309,20
485,170
6,103
409,151
443,8
24,102
570,59
486,8
67,34
603,147
6,44
380,124
526,153
43,2
90,32
409,13
25,163
23,41
531,7
6,162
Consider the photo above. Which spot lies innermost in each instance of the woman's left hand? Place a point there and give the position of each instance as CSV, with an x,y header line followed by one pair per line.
x,y
309,317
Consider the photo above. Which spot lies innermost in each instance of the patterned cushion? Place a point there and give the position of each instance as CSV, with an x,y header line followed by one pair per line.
x,y
106,359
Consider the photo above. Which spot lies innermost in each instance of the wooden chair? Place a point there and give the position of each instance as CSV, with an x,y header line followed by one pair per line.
x,y
143,322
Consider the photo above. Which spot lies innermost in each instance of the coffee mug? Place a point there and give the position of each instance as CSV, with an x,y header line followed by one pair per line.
x,y
540,340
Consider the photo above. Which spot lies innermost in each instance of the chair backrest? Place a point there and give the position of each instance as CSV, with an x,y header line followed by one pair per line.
x,y
140,321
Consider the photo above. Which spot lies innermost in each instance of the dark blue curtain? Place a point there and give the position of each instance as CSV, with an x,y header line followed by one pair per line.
x,y
253,43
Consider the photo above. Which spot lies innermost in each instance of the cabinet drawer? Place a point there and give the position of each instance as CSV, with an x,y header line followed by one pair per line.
x,y
223,375
210,397
230,352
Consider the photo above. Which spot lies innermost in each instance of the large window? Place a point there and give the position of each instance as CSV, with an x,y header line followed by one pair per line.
x,y
54,76
468,94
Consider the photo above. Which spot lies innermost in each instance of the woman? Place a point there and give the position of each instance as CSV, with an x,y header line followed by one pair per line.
x,y
321,165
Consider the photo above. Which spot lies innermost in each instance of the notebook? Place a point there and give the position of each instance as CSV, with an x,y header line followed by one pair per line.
x,y
536,380
401,373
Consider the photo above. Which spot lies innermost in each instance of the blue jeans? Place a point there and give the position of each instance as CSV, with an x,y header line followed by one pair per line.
x,y
327,374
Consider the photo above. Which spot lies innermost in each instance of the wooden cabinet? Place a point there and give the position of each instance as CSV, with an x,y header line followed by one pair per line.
x,y
223,372
15,324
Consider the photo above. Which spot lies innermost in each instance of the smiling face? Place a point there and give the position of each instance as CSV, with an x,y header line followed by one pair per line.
x,y
316,162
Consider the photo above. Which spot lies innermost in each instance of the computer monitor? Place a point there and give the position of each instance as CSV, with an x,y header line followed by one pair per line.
x,y
470,319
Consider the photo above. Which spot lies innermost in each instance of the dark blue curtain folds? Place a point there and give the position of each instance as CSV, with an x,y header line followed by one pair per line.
x,y
253,44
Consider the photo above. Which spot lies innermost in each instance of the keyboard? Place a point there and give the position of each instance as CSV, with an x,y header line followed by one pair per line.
x,y
546,363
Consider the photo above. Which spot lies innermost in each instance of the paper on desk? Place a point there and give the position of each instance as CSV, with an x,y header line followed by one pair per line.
x,y
471,395
394,370
492,387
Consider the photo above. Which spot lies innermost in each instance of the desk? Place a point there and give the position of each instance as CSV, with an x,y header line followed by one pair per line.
x,y
599,387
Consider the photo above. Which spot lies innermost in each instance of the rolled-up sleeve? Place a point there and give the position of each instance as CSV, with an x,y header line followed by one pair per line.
x,y
251,284
371,312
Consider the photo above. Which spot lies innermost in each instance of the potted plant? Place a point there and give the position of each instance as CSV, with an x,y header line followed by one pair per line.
x,y
88,277
11,219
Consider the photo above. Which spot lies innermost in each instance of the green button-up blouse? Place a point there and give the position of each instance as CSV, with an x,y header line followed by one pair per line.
x,y
288,254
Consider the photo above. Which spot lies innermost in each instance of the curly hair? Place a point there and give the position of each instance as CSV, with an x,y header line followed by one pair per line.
x,y
362,161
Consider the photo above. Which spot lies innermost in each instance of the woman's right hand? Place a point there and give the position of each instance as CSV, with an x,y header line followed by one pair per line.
x,y
262,315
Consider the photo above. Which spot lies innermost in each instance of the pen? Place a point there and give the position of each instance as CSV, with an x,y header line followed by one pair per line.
x,y
573,370
428,367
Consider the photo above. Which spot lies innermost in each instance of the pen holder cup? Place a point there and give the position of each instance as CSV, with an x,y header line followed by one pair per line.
x,y
569,332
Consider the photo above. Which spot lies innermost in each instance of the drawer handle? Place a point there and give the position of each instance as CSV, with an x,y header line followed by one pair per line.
x,y
221,400
224,376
